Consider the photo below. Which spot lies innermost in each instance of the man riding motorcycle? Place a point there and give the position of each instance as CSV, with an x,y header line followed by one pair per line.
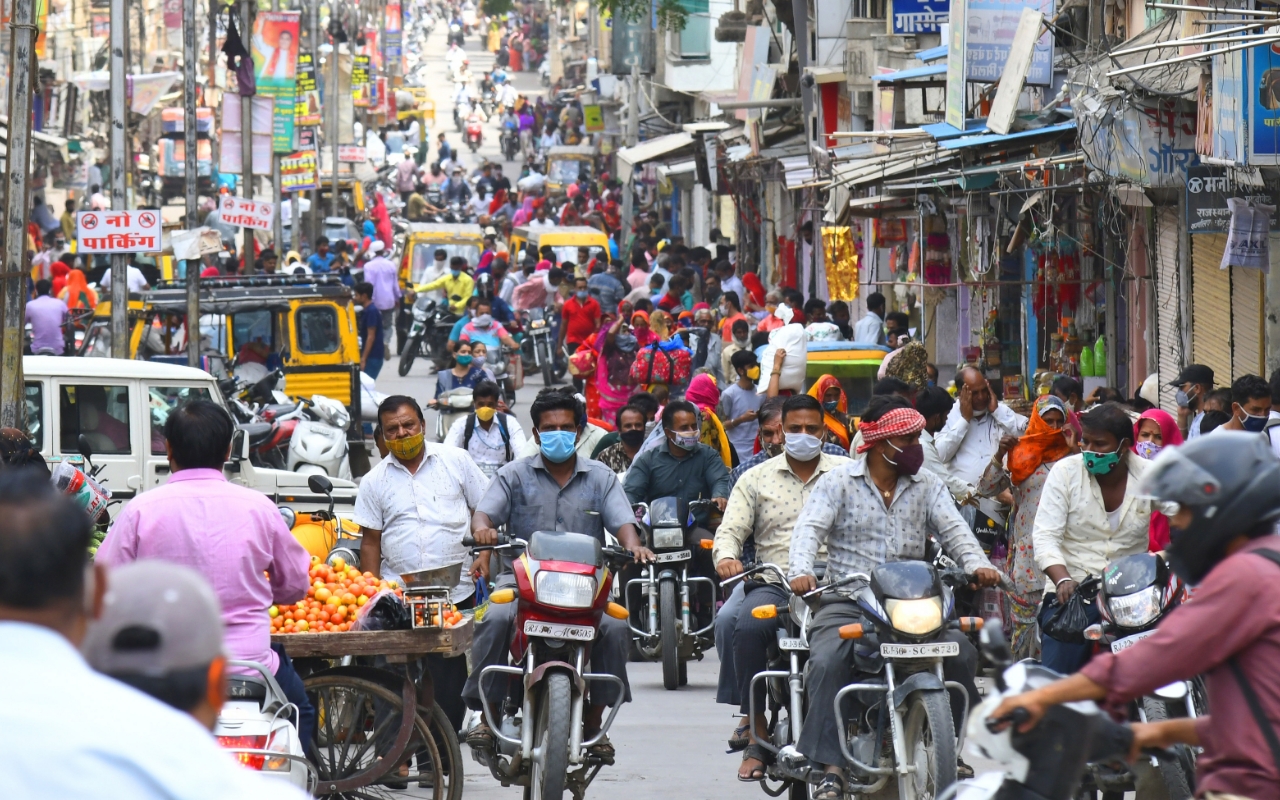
x,y
871,511
456,189
1227,489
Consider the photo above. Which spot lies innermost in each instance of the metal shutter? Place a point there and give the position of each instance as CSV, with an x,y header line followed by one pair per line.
x,y
1165,276
1246,322
1211,306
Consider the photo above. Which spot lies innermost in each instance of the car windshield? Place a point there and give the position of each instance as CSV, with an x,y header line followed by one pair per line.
x,y
424,255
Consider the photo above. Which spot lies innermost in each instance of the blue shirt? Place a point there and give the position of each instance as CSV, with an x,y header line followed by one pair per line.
x,y
456,331
119,743
609,290
371,317
320,263
446,381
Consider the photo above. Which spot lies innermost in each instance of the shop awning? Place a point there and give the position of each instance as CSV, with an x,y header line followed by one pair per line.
x,y
908,74
797,171
45,145
629,157
933,54
826,74
987,139
678,168
943,130
920,158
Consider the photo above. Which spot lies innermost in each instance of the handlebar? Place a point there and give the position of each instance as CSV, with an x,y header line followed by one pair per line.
x,y
756,569
1018,716
845,581
504,543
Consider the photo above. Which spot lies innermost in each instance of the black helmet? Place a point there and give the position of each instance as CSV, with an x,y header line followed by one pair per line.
x,y
1230,480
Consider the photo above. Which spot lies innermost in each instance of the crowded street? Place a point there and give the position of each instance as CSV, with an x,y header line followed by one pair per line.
x,y
461,399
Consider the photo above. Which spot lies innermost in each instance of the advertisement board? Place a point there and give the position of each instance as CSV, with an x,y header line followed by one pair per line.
x,y
990,27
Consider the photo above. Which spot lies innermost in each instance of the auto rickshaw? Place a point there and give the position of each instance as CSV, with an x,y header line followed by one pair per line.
x,y
424,108
96,341
564,240
854,363
423,239
567,164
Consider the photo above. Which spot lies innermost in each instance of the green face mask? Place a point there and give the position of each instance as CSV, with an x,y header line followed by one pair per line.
x,y
1100,463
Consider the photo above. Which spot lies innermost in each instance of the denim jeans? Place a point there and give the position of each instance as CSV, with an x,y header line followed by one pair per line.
x,y
291,684
1065,657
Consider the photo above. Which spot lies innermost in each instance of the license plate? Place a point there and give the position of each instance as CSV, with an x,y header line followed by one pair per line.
x,y
1129,641
664,558
934,650
559,630
792,644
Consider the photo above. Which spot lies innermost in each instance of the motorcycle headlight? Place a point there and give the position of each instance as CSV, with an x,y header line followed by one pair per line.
x,y
566,590
1137,609
289,516
915,617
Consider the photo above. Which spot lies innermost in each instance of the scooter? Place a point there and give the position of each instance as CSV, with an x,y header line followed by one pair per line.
x,y
259,726
319,444
563,584
666,596
452,404
475,132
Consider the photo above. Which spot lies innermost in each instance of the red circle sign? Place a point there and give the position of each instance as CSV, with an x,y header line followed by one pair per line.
x,y
89,221
146,219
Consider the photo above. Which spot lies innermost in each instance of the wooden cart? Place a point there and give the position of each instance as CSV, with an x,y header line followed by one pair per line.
x,y
372,716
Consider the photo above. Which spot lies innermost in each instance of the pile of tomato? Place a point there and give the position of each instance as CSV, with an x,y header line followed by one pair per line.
x,y
337,591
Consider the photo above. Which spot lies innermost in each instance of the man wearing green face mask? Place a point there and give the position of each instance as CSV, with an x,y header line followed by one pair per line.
x,y
1090,514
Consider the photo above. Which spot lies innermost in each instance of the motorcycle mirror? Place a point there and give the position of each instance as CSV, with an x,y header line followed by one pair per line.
x,y
320,484
86,449
996,649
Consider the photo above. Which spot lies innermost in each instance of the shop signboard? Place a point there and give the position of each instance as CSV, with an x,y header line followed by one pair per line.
x,y
306,110
957,50
118,231
298,171
918,16
1149,144
1263,106
1208,190
593,118
990,27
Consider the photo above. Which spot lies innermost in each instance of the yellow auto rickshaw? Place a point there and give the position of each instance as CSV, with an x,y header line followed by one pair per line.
x,y
96,341
564,241
568,164
423,239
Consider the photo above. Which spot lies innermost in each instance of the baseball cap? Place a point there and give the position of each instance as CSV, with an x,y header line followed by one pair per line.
x,y
157,618
1194,373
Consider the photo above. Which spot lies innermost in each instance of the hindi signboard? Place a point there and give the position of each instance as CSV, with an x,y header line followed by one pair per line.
x,y
118,231
306,109
246,213
919,16
990,27
352,154
1209,188
1263,106
275,62
298,171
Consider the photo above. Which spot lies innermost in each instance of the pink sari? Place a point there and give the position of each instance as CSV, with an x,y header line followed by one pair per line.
x,y
613,396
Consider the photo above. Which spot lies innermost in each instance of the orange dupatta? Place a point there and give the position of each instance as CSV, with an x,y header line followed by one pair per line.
x,y
817,391
1038,445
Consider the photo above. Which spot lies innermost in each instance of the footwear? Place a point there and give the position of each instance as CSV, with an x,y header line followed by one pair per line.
x,y
481,737
603,750
831,787
963,770
740,739
757,753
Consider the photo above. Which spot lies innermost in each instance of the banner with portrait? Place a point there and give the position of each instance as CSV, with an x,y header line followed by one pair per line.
x,y
275,60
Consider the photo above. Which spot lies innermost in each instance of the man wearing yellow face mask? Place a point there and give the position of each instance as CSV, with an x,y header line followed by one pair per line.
x,y
413,509
490,436
739,403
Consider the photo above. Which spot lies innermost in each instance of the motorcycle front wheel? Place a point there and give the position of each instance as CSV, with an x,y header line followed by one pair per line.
x,y
551,736
1176,782
407,356
930,737
669,634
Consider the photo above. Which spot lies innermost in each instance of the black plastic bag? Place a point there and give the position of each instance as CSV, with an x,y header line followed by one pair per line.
x,y
383,612
1069,620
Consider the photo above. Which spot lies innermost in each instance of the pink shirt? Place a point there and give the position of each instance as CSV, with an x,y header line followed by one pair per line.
x,y
231,535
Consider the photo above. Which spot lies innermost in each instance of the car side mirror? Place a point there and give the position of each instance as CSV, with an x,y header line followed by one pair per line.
x,y
319,484
239,446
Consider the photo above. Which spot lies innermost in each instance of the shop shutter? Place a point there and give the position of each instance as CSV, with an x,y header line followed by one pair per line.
x,y
1210,306
1246,322
1169,323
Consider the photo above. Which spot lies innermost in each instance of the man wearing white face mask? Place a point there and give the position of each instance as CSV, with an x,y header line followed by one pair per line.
x,y
766,503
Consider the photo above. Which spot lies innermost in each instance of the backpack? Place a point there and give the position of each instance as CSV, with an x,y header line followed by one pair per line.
x,y
471,428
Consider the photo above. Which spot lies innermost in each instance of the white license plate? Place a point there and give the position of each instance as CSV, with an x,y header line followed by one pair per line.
x,y
666,558
559,630
934,650
792,644
1129,641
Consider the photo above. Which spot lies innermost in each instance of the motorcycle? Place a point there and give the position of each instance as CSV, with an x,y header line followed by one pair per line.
x,y
509,142
667,597
488,102
259,726
319,442
908,605
538,351
475,133
428,335
1135,593
452,403
563,583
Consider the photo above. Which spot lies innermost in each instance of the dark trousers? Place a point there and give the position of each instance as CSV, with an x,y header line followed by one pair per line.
x,y
373,365
831,668
752,639
1065,657
492,642
291,684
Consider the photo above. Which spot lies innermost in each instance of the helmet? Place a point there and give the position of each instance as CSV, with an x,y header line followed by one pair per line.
x,y
1230,481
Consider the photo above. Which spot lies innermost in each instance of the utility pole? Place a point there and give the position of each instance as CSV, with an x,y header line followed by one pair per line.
x,y
22,68
246,136
633,138
277,228
191,171
315,130
334,99
119,176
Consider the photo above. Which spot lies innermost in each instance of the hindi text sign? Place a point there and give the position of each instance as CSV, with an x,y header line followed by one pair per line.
x,y
118,231
246,213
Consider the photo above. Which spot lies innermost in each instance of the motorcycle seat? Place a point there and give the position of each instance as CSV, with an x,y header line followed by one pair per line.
x,y
243,687
258,432
276,409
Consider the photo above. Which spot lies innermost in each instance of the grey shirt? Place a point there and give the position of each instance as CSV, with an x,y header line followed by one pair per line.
x,y
846,512
525,498
656,473
734,402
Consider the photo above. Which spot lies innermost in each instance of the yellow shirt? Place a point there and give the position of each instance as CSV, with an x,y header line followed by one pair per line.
x,y
458,289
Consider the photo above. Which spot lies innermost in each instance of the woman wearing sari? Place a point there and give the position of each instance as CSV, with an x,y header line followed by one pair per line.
x,y
617,347
835,409
1154,431
76,293
666,360
1045,443
705,395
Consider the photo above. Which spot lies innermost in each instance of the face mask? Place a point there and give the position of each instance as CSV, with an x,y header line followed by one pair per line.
x,y
743,342
1253,424
485,413
483,321
685,441
477,361
557,446
802,446
1183,399
408,448
632,439
753,373
772,449
582,295
626,342
463,360
910,459
455,272
1100,463
831,405
1148,450
979,413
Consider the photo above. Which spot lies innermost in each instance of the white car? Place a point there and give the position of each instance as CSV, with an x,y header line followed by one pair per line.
x,y
120,406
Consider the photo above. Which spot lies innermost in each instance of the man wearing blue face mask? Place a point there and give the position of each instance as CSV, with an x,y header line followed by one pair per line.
x,y
1194,384
555,490
1250,404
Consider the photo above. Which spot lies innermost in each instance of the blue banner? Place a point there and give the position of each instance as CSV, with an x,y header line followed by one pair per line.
x,y
1264,105
919,16
991,28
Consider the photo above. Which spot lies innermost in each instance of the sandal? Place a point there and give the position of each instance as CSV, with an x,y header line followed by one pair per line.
x,y
481,737
602,750
740,739
757,753
963,770
831,787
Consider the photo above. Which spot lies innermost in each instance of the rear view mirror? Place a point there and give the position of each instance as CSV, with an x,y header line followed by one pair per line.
x,y
239,446
319,484
86,449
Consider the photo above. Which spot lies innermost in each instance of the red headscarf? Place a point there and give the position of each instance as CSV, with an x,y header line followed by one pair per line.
x,y
703,392
898,422
754,287
1170,436
59,272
